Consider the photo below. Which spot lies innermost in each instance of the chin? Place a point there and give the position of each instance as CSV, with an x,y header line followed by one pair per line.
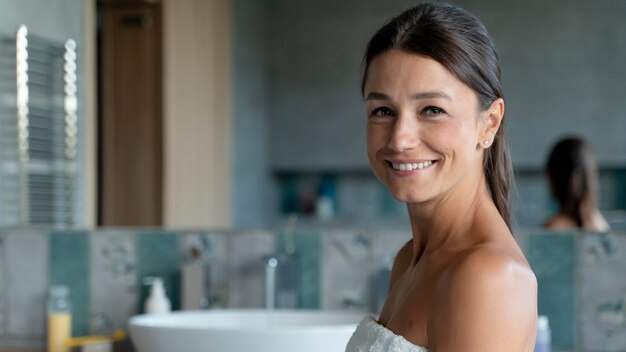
x,y
409,197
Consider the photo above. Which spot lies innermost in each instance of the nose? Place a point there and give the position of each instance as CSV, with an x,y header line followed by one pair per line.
x,y
404,135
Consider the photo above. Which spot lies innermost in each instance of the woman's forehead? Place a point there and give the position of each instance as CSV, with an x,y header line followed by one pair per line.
x,y
397,72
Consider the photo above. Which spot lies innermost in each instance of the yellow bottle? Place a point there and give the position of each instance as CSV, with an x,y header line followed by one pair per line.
x,y
59,319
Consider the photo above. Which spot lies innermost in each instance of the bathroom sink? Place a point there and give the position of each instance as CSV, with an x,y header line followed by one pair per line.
x,y
244,330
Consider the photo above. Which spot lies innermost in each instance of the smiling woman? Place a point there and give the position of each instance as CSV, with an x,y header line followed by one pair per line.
x,y
435,138
430,121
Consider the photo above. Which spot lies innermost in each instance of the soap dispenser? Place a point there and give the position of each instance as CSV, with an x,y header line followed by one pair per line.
x,y
157,302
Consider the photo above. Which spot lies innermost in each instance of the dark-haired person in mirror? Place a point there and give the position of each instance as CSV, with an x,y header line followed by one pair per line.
x,y
573,177
435,138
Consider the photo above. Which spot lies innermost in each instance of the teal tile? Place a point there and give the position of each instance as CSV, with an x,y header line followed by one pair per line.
x,y
307,253
69,265
553,259
158,254
309,248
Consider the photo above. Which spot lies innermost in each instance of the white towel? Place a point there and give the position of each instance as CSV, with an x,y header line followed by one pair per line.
x,y
373,337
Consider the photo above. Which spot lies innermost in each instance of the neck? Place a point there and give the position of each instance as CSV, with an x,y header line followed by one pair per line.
x,y
449,220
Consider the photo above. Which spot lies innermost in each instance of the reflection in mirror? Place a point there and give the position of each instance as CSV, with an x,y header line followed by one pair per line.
x,y
39,173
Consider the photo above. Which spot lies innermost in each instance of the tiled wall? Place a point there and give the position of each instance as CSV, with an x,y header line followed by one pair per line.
x,y
553,259
24,277
602,293
582,288
113,278
582,284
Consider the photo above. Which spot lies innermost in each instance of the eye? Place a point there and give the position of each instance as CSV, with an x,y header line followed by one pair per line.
x,y
433,111
381,112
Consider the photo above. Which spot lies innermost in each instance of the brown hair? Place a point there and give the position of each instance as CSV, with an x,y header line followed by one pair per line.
x,y
460,42
573,178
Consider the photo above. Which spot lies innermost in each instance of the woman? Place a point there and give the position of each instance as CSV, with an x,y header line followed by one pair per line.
x,y
574,183
435,138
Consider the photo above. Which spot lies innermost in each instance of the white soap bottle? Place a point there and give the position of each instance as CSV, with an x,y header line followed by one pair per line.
x,y
157,302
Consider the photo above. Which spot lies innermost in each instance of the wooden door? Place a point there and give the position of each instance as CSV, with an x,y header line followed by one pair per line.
x,y
130,126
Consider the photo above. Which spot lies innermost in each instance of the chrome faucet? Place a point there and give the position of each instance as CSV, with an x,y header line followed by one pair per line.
x,y
270,282
281,272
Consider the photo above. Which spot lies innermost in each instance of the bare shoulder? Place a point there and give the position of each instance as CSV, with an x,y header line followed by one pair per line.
x,y
490,263
486,301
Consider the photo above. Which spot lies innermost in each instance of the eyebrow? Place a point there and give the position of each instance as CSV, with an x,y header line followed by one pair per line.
x,y
416,96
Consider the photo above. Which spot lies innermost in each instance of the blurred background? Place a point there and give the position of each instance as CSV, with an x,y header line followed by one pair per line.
x,y
127,124
253,113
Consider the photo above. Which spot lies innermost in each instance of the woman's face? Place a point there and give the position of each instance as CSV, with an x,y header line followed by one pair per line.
x,y
425,130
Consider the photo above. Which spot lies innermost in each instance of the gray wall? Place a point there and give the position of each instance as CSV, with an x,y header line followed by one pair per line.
x,y
562,62
564,71
253,191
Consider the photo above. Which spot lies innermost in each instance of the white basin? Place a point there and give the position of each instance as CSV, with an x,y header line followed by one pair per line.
x,y
244,330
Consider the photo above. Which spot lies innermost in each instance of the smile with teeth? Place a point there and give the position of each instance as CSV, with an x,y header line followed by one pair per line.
x,y
411,166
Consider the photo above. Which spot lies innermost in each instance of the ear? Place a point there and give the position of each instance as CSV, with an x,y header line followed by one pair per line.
x,y
490,122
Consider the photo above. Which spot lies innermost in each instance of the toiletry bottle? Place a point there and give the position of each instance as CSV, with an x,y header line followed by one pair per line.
x,y
59,318
157,302
544,335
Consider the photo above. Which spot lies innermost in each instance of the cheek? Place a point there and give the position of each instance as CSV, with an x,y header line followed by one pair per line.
x,y
374,139
456,139
466,138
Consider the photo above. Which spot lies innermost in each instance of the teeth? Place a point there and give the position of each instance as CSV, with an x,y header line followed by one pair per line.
x,y
411,166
